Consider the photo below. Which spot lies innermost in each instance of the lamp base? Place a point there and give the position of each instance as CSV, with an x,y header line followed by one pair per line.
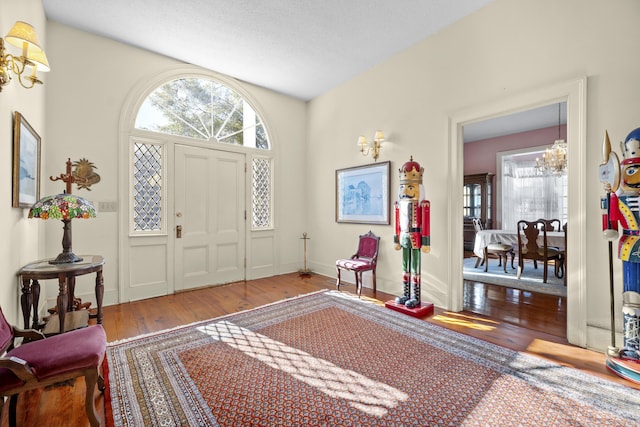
x,y
65,258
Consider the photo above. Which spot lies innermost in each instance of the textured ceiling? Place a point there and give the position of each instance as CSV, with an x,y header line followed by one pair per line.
x,y
299,48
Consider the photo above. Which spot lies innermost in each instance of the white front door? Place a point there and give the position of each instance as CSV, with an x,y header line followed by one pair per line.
x,y
209,220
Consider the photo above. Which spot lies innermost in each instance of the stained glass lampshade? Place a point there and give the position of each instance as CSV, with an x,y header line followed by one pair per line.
x,y
64,207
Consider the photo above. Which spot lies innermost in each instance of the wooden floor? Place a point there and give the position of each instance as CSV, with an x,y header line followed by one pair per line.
x,y
523,321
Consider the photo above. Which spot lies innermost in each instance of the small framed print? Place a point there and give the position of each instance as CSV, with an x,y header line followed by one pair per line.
x,y
26,163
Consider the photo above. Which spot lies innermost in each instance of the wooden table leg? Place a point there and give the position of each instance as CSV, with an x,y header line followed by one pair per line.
x,y
26,302
35,301
99,294
71,293
62,300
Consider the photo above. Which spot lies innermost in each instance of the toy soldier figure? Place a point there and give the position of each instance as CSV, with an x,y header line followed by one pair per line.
x,y
624,209
412,232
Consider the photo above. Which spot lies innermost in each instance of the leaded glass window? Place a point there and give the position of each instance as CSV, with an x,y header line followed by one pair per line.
x,y
147,187
261,194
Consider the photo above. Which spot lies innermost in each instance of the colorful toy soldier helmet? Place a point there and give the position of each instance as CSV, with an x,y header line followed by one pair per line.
x,y
411,172
631,146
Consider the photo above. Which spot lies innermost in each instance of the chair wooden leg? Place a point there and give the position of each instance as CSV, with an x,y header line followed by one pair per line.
x,y
13,407
91,379
477,262
338,281
520,267
374,280
544,273
358,282
505,261
101,385
486,260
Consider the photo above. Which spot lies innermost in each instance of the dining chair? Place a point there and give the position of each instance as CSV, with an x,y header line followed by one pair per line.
x,y
500,250
529,247
365,259
556,225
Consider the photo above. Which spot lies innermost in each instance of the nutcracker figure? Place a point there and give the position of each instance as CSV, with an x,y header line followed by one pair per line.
x,y
622,208
412,232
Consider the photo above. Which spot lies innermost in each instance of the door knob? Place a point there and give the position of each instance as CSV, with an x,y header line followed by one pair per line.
x,y
178,231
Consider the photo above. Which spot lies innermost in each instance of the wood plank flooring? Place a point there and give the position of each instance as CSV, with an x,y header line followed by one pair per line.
x,y
522,321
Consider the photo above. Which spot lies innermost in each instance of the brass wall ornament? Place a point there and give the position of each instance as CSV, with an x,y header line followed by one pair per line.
x,y
84,175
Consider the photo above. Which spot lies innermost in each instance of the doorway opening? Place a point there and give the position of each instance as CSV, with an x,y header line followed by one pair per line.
x,y
512,146
574,94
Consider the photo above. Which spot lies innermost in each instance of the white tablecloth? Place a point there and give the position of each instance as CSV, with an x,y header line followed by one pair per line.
x,y
484,237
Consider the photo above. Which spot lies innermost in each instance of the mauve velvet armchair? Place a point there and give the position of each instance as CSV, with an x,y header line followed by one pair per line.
x,y
41,362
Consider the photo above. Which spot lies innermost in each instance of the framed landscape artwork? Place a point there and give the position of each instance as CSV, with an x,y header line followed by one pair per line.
x,y
26,163
362,194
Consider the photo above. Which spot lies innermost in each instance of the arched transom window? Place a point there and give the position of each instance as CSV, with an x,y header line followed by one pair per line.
x,y
202,109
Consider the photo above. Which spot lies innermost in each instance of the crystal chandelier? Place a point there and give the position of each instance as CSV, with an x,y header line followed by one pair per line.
x,y
554,159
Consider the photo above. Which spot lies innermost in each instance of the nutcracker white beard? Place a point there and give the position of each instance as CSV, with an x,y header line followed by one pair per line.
x,y
406,209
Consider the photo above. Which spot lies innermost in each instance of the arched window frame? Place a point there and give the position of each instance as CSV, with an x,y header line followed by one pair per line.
x,y
253,155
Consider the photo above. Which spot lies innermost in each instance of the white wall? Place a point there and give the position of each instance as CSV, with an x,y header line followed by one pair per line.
x,y
89,85
502,50
21,243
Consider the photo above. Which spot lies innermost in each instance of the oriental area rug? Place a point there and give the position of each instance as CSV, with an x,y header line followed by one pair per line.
x,y
331,359
530,280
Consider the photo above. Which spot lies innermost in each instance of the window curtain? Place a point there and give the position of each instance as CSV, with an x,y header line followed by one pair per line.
x,y
529,194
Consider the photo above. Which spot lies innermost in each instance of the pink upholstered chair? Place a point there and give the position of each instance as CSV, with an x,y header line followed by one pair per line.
x,y
365,259
42,361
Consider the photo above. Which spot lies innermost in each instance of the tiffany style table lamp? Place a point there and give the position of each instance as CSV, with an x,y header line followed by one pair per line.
x,y
64,207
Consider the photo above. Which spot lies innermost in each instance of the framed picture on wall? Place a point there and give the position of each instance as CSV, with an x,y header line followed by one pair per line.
x,y
26,163
362,194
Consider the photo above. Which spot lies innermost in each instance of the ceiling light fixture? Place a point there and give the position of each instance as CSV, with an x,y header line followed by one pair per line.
x,y
375,146
554,159
23,36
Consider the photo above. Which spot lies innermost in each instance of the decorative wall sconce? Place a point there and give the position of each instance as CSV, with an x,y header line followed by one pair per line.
x,y
23,36
375,146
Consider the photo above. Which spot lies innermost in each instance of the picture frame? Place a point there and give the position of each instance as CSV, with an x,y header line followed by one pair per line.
x,y
26,163
362,194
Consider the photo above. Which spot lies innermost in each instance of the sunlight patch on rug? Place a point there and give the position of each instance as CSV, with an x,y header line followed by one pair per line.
x,y
363,393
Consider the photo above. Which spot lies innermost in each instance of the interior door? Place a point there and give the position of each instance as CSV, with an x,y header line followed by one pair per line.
x,y
209,217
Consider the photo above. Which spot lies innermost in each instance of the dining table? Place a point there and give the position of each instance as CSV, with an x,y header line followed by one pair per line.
x,y
485,237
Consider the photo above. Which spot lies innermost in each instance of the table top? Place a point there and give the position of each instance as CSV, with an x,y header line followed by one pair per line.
x,y
42,269
485,237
